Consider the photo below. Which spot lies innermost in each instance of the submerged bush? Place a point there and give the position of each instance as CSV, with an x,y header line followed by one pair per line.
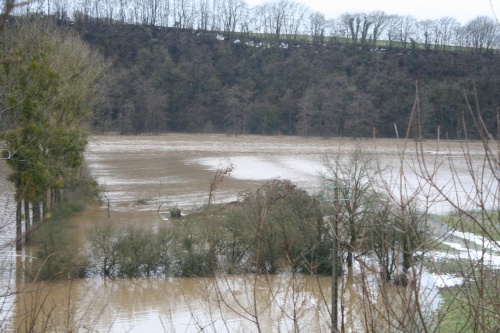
x,y
292,234
130,251
277,227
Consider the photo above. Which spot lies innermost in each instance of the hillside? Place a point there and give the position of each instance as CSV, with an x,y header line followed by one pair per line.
x,y
169,79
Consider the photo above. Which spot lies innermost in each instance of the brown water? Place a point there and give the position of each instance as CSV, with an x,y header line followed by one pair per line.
x,y
178,305
175,171
180,167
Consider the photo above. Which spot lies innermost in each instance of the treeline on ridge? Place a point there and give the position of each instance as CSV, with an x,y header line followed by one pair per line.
x,y
168,79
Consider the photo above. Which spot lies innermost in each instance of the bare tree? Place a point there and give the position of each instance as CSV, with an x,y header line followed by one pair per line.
x,y
317,27
165,12
7,7
237,115
357,177
426,32
231,12
407,29
379,21
448,27
184,12
283,17
224,170
308,112
482,33
259,19
474,198
393,28
276,12
205,11
352,25
295,17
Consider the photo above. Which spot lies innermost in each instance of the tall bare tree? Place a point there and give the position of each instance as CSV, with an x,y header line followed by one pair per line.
x,y
482,33
184,12
231,13
379,21
317,27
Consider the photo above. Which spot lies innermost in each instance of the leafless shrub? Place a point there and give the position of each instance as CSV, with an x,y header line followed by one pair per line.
x,y
224,169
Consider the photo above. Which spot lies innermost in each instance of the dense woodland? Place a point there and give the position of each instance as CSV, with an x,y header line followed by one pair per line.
x,y
194,81
280,68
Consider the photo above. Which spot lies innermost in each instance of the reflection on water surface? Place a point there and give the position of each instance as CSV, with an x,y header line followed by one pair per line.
x,y
180,305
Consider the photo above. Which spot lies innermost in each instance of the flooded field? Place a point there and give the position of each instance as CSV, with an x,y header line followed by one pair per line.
x,y
180,167
177,169
143,176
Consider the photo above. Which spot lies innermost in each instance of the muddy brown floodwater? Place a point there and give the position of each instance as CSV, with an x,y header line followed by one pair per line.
x,y
175,171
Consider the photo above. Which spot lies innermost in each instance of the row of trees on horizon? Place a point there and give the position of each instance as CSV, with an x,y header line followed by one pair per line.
x,y
280,19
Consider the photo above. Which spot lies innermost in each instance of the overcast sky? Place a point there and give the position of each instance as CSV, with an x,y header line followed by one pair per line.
x,y
462,10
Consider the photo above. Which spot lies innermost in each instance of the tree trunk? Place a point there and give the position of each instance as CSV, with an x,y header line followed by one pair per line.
x,y
352,241
27,222
45,205
36,212
406,262
19,223
57,195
